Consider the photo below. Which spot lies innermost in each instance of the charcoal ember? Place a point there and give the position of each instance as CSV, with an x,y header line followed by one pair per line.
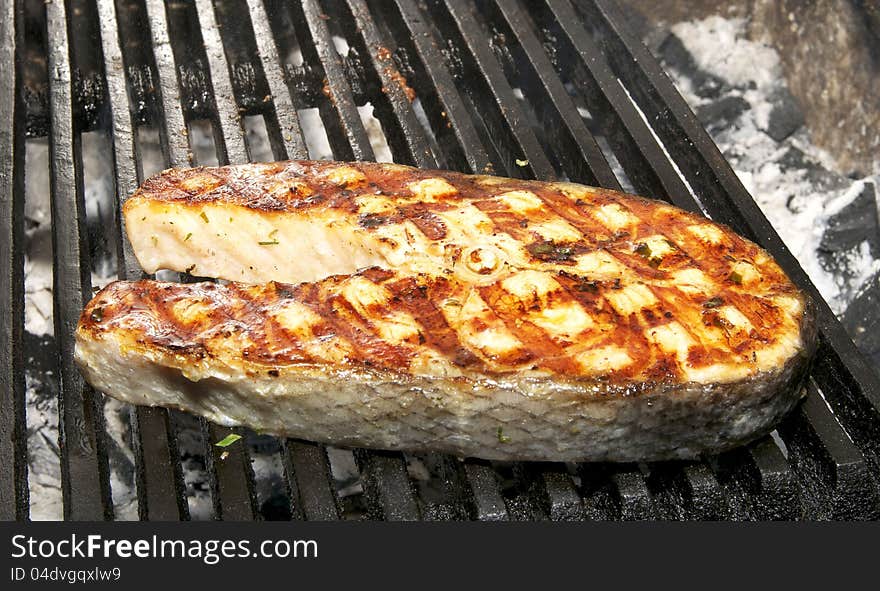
x,y
862,321
675,56
794,159
814,173
786,116
721,114
854,224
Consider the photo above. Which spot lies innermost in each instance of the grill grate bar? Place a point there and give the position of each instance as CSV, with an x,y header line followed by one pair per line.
x,y
175,145
85,481
405,134
452,488
411,146
508,118
232,474
776,494
850,393
125,159
775,485
704,497
177,151
307,471
173,133
759,482
387,487
836,480
231,145
13,424
285,133
556,492
386,482
345,130
160,487
447,114
626,131
632,496
578,150
306,466
484,493
597,492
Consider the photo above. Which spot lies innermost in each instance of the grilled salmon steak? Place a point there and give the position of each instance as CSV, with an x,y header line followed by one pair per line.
x,y
383,306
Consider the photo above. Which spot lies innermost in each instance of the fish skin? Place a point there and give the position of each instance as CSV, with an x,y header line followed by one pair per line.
x,y
480,316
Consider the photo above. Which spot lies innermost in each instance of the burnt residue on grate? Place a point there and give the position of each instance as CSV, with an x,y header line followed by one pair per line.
x,y
548,89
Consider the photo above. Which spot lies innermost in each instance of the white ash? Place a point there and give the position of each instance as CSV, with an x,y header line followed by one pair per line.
x,y
41,381
795,183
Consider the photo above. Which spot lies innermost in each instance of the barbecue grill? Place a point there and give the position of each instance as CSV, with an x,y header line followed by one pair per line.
x,y
546,89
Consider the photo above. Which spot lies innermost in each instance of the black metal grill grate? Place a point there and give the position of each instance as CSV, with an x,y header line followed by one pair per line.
x,y
540,89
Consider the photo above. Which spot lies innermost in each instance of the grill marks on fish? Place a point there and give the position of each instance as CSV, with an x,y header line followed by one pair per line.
x,y
196,321
564,279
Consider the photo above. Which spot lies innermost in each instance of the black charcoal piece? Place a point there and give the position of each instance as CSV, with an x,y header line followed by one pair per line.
x,y
854,224
675,56
786,116
862,322
721,114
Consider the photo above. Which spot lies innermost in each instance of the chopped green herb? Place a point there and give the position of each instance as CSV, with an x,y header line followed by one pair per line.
x,y
452,302
268,242
188,236
272,233
550,251
502,438
735,277
720,322
713,303
542,248
204,217
642,249
228,440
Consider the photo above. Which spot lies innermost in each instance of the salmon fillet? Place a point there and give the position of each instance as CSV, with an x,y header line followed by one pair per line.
x,y
383,306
